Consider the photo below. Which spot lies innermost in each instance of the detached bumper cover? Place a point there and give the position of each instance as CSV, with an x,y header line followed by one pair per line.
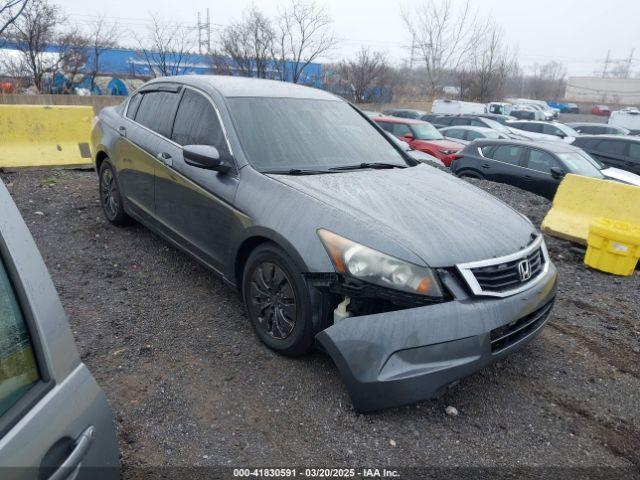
x,y
401,357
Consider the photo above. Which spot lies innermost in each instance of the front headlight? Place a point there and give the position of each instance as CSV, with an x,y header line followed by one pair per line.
x,y
369,265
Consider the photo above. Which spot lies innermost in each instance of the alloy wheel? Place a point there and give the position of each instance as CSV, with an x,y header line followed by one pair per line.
x,y
272,300
109,192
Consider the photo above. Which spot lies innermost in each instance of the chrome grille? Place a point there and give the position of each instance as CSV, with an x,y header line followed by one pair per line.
x,y
506,276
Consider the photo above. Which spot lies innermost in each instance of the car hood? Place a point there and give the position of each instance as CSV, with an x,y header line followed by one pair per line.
x,y
621,175
438,217
441,144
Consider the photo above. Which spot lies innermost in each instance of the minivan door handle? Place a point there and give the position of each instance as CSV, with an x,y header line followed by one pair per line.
x,y
165,158
72,462
122,131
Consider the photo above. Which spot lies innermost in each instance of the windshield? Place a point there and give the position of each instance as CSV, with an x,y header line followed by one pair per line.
x,y
580,164
568,131
497,126
281,134
426,131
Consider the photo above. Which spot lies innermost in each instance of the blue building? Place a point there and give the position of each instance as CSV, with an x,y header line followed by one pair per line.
x,y
119,65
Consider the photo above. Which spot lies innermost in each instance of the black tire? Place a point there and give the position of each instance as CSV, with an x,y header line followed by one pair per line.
x,y
470,174
277,300
110,198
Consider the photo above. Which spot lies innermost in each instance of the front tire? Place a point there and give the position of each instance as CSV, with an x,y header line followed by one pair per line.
x,y
110,197
277,300
470,174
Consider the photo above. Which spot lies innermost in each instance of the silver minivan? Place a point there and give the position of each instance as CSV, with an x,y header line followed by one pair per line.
x,y
55,422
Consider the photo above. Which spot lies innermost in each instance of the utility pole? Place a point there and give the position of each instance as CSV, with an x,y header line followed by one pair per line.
x,y
204,27
606,64
629,62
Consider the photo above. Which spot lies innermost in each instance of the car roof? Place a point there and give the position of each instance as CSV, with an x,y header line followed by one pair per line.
x,y
551,146
399,120
405,110
589,124
629,138
469,127
229,86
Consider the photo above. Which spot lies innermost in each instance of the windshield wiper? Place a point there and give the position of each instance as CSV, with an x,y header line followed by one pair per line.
x,y
296,171
375,165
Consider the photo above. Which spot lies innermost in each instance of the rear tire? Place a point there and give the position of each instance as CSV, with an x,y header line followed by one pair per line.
x,y
470,174
277,300
110,198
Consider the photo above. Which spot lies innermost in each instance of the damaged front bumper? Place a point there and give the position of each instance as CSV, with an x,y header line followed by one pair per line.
x,y
400,357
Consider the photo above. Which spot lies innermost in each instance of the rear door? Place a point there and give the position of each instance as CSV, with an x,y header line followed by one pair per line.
x,y
613,153
505,165
52,413
194,205
538,178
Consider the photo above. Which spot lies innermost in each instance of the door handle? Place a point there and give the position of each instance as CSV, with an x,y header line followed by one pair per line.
x,y
485,165
75,457
527,177
122,131
165,158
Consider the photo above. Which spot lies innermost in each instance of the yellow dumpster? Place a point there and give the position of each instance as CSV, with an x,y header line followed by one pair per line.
x,y
613,246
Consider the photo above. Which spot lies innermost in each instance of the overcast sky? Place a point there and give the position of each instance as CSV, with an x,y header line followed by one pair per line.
x,y
577,33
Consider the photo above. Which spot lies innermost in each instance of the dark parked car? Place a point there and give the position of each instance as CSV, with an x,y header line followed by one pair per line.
x,y
598,129
537,167
404,113
555,129
54,419
408,277
613,150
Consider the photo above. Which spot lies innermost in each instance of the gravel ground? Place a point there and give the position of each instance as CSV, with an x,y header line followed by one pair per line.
x,y
189,383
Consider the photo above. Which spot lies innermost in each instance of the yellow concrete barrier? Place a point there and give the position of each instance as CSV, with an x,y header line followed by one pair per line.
x,y
580,200
37,136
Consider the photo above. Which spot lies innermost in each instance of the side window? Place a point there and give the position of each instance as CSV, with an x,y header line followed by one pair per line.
x,y
197,123
486,151
134,103
590,143
612,147
156,111
444,121
540,161
473,135
18,368
455,133
634,151
400,130
550,129
460,121
508,154
477,123
386,126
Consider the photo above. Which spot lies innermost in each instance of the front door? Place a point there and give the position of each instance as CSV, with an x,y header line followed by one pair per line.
x,y
195,205
538,178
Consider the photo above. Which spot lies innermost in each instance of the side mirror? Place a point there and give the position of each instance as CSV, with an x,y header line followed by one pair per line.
x,y
205,156
557,173
561,135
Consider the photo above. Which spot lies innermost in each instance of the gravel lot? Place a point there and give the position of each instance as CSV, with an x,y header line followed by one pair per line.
x,y
189,383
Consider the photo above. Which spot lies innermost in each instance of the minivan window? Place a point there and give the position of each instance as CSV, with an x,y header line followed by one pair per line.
x,y
196,122
288,133
18,368
156,111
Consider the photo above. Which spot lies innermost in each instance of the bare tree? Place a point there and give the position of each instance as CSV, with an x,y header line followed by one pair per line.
x,y
249,43
443,36
101,36
166,48
484,76
303,35
72,49
34,33
548,81
10,11
367,70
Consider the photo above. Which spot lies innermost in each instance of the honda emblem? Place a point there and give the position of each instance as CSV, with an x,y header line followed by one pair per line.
x,y
524,270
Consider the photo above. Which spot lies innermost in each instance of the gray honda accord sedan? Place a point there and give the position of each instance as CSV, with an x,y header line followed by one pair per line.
x,y
408,277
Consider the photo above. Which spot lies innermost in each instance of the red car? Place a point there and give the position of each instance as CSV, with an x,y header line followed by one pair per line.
x,y
421,136
601,110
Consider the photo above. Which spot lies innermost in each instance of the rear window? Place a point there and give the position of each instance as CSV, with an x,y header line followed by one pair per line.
x,y
18,368
507,154
156,111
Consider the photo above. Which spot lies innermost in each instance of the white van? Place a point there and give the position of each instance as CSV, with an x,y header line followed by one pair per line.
x,y
626,118
499,108
457,107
